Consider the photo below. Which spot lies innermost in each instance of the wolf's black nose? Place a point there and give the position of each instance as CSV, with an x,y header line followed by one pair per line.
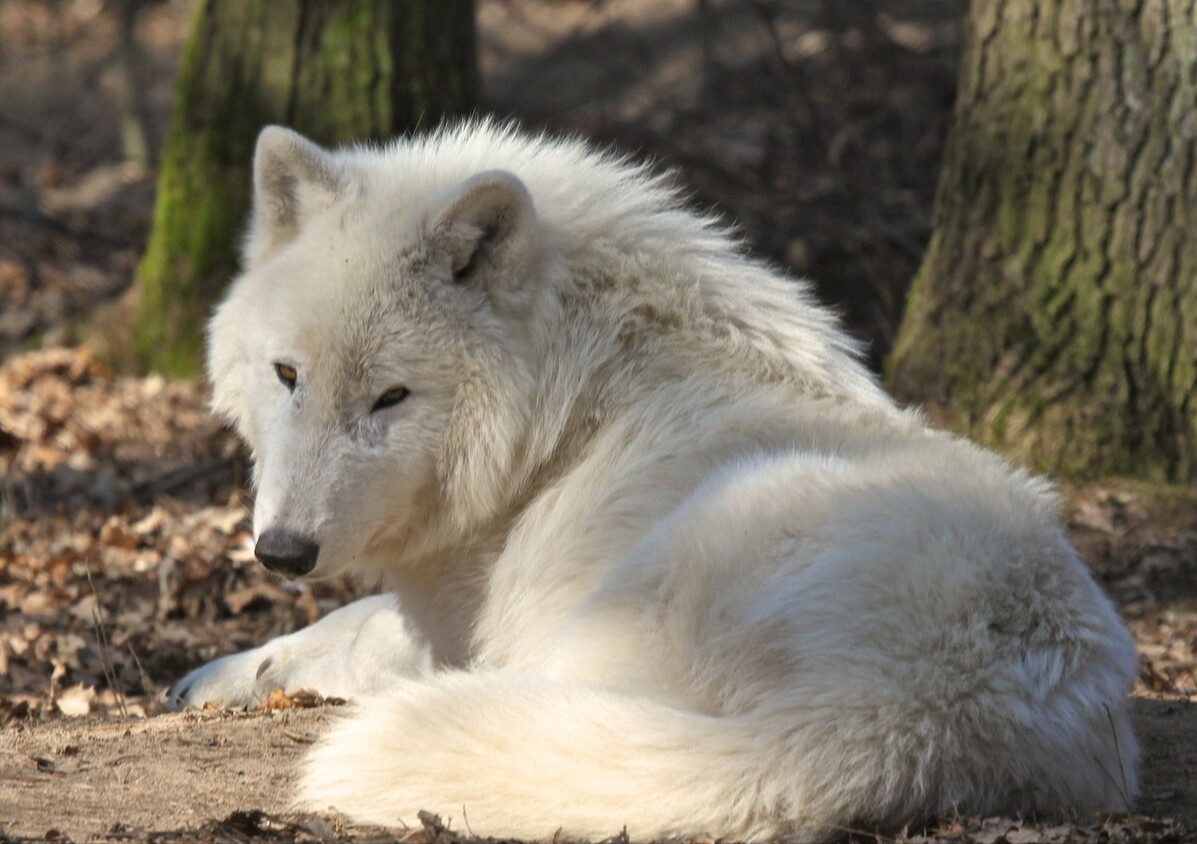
x,y
286,553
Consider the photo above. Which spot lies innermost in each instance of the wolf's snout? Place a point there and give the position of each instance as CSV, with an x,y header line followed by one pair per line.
x,y
286,553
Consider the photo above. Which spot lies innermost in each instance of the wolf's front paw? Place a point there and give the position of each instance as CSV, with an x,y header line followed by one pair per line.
x,y
232,681
351,652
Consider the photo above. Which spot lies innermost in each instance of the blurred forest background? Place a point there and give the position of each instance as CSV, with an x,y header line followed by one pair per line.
x,y
817,126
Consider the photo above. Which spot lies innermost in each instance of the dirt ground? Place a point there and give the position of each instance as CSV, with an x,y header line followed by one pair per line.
x,y
88,778
125,553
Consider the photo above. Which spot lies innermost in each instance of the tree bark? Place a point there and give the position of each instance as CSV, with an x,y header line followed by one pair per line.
x,y
1055,312
336,70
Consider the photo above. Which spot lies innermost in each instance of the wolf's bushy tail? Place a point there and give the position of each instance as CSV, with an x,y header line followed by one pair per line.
x,y
526,758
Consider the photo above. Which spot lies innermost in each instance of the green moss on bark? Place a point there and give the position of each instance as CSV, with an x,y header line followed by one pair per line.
x,y
336,70
1054,315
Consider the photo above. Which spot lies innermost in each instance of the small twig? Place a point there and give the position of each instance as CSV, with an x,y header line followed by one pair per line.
x,y
106,663
876,836
619,838
97,615
175,479
145,682
1124,789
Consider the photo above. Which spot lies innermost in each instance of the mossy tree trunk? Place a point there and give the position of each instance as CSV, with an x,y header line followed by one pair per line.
x,y
1055,313
336,70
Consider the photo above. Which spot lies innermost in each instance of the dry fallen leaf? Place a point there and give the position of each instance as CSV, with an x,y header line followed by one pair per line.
x,y
76,700
277,699
298,699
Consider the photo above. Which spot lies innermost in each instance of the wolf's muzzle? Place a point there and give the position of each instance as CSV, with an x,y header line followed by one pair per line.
x,y
286,553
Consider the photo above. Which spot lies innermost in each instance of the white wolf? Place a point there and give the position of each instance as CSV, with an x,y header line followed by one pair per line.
x,y
659,552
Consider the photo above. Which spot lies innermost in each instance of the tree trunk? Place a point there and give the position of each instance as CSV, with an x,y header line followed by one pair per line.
x,y
336,70
1055,313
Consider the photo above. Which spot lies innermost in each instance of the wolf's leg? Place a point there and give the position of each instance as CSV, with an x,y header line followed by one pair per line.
x,y
356,650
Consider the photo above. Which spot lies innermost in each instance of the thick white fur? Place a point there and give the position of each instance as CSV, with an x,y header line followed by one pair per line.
x,y
666,557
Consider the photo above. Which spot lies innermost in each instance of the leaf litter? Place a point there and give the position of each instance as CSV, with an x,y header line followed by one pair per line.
x,y
125,561
124,540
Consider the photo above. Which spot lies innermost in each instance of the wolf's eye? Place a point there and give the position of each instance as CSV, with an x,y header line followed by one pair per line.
x,y
390,398
287,374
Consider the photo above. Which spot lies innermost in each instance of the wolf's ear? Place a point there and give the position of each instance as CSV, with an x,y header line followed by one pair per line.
x,y
293,179
485,227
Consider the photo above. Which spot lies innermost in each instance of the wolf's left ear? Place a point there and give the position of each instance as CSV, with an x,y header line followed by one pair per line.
x,y
293,180
486,227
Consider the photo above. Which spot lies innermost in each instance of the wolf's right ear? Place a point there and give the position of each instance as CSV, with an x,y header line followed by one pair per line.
x,y
293,180
485,226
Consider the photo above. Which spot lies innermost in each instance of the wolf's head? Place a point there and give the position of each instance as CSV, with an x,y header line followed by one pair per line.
x,y
371,353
